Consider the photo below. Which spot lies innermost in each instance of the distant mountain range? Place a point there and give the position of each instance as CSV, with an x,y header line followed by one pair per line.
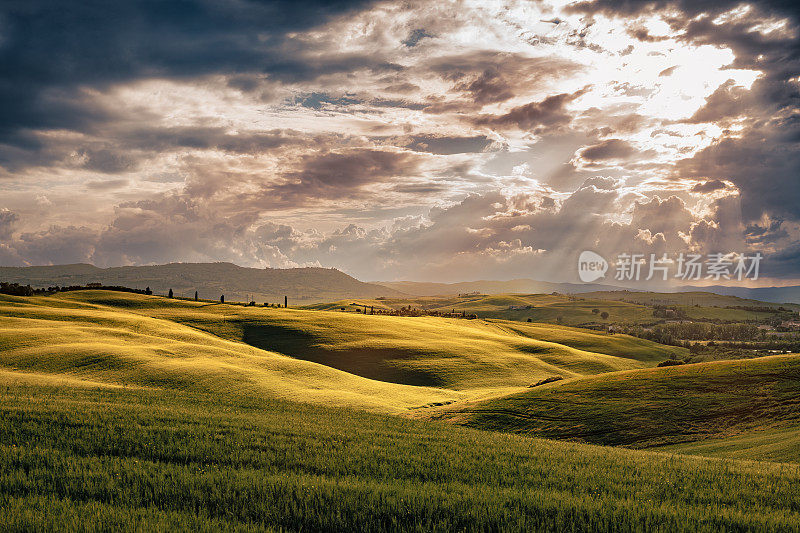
x,y
300,285
765,294
312,285
789,294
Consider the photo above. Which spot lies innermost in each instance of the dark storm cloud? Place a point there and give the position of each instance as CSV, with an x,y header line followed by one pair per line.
x,y
709,186
415,37
728,102
488,87
7,220
608,149
420,188
50,50
121,148
764,169
106,161
320,100
769,234
491,77
783,263
57,245
205,138
643,35
107,185
549,113
445,145
332,175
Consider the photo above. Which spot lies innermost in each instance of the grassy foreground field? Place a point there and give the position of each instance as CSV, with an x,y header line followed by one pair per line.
x,y
122,411
84,458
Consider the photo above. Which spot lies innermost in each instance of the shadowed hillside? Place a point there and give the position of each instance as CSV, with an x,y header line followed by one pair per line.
x,y
735,405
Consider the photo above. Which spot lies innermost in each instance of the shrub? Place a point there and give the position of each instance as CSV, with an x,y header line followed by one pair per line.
x,y
551,379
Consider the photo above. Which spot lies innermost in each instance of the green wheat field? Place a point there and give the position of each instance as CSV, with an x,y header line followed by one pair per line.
x,y
131,412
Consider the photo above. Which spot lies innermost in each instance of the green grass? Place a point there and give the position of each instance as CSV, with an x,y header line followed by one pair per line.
x,y
775,444
573,310
691,298
657,407
132,459
595,341
122,411
67,339
455,354
544,307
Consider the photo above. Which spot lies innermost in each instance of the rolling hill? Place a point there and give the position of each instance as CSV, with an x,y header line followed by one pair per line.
x,y
143,412
68,340
211,280
575,310
723,407
452,354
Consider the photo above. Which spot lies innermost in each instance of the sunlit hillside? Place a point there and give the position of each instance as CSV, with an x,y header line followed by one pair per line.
x,y
575,310
57,340
442,352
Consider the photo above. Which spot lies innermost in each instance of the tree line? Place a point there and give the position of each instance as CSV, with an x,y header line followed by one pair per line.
x,y
15,289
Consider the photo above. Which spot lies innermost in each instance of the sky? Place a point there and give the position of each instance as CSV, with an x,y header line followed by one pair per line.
x,y
400,140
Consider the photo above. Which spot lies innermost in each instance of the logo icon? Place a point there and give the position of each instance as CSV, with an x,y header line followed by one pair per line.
x,y
591,266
